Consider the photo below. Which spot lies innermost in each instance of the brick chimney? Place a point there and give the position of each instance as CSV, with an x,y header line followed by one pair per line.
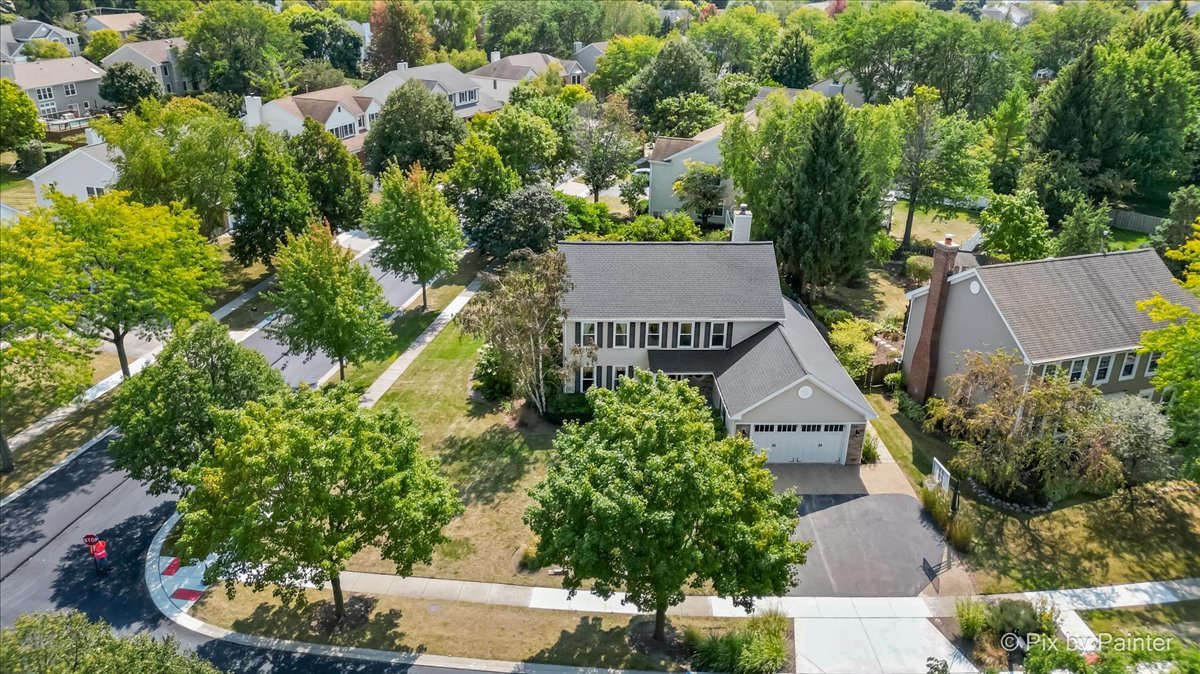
x,y
923,371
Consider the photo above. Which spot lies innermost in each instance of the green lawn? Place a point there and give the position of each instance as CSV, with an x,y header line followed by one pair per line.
x,y
879,294
489,458
912,449
1181,619
50,447
1123,239
16,190
930,226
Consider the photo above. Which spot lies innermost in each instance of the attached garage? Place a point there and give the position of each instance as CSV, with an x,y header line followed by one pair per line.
x,y
801,443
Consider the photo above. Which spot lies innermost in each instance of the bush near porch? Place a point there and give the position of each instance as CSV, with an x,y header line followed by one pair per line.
x,y
1155,535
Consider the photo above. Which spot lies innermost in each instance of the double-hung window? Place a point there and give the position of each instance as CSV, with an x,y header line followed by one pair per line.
x,y
621,336
718,335
687,333
1077,366
1103,370
1129,366
654,335
69,89
589,334
1049,370
1152,363
587,378
44,93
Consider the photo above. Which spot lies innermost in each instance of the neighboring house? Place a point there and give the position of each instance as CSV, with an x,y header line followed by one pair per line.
x,y
58,85
82,173
343,111
842,85
440,78
712,314
13,37
124,23
1007,11
161,58
364,31
1074,314
668,160
678,18
9,215
502,75
587,55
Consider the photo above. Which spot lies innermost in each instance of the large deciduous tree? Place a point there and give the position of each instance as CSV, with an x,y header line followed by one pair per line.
x,y
271,199
477,181
683,116
398,34
145,268
549,26
527,143
328,302
452,23
941,163
415,125
326,37
624,58
699,190
606,144
418,233
100,44
231,45
737,37
41,49
336,184
1060,35
127,84
678,69
19,121
532,217
646,500
39,277
300,482
1015,228
520,314
167,412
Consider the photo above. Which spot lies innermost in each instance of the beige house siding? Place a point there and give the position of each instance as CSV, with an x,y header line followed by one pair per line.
x,y
788,407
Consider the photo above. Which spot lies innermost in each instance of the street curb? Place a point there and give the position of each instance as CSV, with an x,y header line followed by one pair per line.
x,y
168,608
56,467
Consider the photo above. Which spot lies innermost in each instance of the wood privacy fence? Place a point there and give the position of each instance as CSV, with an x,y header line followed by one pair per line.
x,y
1133,221
874,376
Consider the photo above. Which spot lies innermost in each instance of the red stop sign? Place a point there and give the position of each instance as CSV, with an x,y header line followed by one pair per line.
x,y
91,539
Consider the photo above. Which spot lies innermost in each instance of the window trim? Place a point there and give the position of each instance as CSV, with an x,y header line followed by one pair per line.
x,y
93,191
1137,357
712,338
43,94
583,333
69,89
1082,362
617,336
587,378
1096,380
691,335
1152,363
654,340
1049,370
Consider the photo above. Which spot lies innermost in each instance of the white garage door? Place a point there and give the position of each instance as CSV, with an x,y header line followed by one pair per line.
x,y
801,443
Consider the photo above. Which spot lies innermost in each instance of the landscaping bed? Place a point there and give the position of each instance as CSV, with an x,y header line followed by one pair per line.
x,y
464,630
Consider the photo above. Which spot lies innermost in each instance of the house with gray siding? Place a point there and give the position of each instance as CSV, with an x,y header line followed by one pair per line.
x,y
14,36
711,314
124,23
442,79
58,85
161,59
1072,316
501,75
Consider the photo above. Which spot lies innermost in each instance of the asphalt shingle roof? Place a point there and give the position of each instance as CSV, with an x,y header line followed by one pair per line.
x,y
1071,306
49,72
520,66
718,280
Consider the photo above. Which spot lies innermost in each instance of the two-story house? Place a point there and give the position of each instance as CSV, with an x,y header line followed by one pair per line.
x,y
82,173
124,23
1075,315
440,78
161,59
58,85
343,111
712,313
501,75
14,36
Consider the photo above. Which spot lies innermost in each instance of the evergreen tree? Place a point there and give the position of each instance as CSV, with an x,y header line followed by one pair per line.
x,y
415,125
789,62
336,184
1085,229
678,69
820,212
271,199
1006,141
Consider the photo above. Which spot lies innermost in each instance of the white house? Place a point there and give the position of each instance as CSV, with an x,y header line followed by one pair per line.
x,y
124,23
161,58
712,314
342,110
85,172
363,30
440,78
15,35
499,77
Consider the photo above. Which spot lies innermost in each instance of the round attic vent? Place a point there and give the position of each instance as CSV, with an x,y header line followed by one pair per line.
x,y
805,392
974,287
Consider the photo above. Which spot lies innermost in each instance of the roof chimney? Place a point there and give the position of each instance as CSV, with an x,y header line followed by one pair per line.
x,y
495,56
741,224
93,138
578,47
253,111
923,371
403,65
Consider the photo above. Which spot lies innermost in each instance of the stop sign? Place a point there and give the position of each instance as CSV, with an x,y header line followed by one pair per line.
x,y
91,539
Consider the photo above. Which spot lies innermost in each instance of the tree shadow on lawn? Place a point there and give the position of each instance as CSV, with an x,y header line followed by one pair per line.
x,y
611,642
866,297
364,626
1100,542
486,465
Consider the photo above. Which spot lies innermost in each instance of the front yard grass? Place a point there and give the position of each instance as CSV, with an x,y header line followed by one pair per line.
x,y
457,629
486,456
1104,541
1181,620
53,445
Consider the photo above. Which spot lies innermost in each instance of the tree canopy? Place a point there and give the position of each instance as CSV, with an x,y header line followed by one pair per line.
x,y
19,121
328,302
737,37
326,37
231,45
398,34
1015,228
548,26
127,84
167,412
527,143
100,44
336,185
624,58
334,478
415,125
789,61
452,23
532,217
476,181
699,190
606,143
646,500
678,69
271,198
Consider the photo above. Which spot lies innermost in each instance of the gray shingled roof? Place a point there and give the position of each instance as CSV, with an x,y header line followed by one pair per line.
x,y
1071,306
49,72
765,363
672,280
520,66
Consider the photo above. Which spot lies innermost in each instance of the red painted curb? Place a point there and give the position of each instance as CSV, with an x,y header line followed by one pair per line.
x,y
187,595
172,568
